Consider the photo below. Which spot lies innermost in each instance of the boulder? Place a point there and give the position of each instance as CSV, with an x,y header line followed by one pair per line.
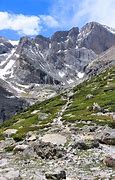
x,y
56,176
109,161
86,145
108,136
47,150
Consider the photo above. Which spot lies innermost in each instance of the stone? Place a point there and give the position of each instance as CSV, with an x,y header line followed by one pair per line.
x,y
56,176
89,96
32,138
54,139
20,147
43,116
13,174
47,150
9,132
3,162
86,145
109,161
108,136
80,145
96,107
35,112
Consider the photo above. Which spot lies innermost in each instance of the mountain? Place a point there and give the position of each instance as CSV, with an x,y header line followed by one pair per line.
x,y
68,136
71,135
37,68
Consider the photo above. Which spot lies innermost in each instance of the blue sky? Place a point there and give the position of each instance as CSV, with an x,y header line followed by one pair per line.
x,y
31,17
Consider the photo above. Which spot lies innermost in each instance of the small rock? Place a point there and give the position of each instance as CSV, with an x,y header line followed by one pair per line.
x,y
89,96
32,138
96,107
35,112
20,147
9,132
43,116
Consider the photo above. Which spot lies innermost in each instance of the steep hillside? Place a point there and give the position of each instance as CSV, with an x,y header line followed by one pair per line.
x,y
70,136
92,101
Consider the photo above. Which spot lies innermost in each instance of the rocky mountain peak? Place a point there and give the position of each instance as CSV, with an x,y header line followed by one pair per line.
x,y
73,32
5,45
59,36
96,37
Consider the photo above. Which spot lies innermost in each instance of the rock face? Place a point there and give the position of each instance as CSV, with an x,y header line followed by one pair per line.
x,y
105,60
60,59
9,104
96,37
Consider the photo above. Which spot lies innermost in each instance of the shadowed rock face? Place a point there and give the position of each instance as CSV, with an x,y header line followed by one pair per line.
x,y
9,104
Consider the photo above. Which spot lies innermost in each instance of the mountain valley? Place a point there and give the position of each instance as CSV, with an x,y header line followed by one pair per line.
x,y
57,109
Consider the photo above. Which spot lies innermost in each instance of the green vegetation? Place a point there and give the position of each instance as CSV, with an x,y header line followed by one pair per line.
x,y
102,89
27,121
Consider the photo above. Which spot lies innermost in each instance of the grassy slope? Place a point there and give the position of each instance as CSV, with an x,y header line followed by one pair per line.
x,y
26,121
102,87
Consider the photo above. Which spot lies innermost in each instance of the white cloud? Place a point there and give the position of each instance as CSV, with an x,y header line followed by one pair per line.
x,y
64,14
27,25
102,11
49,21
76,13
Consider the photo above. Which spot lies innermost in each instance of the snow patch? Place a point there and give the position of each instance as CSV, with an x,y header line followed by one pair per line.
x,y
9,63
80,75
110,29
59,51
61,74
70,81
17,55
1,44
50,45
76,47
14,43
